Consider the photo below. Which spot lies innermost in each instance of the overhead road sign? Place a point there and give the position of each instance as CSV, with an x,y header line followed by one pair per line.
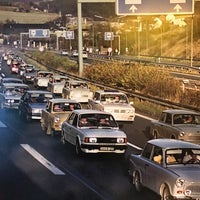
x,y
154,7
69,35
39,33
108,36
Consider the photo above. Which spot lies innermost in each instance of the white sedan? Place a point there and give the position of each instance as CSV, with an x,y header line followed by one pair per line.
x,y
92,131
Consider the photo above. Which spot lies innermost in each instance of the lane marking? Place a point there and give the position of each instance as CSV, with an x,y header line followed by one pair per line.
x,y
2,125
42,160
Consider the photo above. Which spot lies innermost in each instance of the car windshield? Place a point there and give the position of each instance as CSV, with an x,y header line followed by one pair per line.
x,y
114,98
182,156
15,90
187,119
65,107
97,120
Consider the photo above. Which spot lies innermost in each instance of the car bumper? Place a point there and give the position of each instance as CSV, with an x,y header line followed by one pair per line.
x,y
103,148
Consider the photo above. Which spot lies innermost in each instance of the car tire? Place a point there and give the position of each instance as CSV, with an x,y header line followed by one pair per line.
x,y
43,127
28,119
166,194
137,182
78,148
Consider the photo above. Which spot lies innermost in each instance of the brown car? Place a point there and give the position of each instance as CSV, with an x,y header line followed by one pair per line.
x,y
55,113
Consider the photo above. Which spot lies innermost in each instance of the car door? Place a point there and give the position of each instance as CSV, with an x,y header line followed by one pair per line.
x,y
70,128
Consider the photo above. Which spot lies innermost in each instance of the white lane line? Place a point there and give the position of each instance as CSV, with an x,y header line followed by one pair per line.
x,y
42,160
2,125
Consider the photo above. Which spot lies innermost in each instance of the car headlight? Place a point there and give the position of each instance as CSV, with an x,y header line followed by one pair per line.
x,y
180,182
121,140
130,111
10,100
93,140
90,140
181,134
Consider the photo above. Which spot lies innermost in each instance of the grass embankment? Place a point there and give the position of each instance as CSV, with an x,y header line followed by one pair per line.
x,y
27,18
144,79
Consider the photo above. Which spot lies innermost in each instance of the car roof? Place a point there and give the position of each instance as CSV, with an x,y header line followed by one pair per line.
x,y
62,100
6,78
180,111
14,84
172,143
43,71
109,92
88,111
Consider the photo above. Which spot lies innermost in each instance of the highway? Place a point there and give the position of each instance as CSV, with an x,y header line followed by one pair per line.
x,y
37,166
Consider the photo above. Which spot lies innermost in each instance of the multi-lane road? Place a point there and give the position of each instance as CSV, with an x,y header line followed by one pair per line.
x,y
36,166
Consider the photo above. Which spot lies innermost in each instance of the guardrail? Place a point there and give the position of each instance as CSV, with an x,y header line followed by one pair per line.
x,y
132,94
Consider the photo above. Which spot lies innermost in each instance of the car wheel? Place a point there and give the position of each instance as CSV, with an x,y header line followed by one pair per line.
x,y
137,182
20,113
28,119
166,194
62,137
43,127
1,105
78,148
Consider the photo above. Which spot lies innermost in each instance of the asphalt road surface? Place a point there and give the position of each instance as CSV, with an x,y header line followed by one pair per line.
x,y
36,166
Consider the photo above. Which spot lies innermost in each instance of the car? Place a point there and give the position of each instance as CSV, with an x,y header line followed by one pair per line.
x,y
42,79
10,80
56,84
32,103
78,90
11,93
161,168
172,124
85,55
55,113
64,52
75,53
25,69
29,76
115,102
93,131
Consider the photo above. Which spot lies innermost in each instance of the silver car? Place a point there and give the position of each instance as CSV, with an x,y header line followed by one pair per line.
x,y
168,167
92,131
177,124
11,93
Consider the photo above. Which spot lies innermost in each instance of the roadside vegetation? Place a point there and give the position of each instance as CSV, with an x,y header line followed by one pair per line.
x,y
147,80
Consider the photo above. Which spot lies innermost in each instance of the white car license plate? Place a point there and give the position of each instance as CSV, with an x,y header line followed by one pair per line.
x,y
106,148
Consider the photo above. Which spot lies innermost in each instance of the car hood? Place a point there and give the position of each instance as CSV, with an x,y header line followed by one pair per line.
x,y
102,132
14,96
189,172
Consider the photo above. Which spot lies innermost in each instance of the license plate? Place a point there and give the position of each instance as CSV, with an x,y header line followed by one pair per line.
x,y
106,148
